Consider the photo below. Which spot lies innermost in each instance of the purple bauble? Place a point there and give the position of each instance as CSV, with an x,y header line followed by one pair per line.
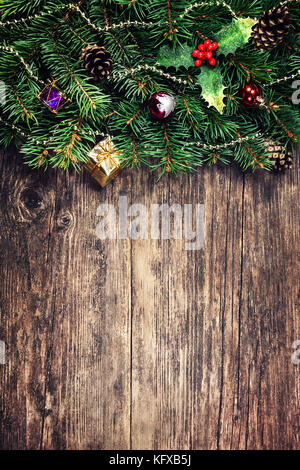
x,y
161,105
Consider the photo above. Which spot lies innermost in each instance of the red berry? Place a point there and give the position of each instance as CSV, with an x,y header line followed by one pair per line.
x,y
201,47
210,48
208,55
198,63
215,46
201,55
212,61
195,53
207,43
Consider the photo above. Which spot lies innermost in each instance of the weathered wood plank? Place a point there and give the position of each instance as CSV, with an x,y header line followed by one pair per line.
x,y
65,315
26,289
183,307
267,392
206,388
150,322
219,298
91,363
142,344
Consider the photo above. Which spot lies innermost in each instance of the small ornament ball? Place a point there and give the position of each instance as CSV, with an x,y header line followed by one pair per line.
x,y
205,53
250,93
161,105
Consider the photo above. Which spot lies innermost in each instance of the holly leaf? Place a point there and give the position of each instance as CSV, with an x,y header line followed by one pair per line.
x,y
211,82
180,56
235,35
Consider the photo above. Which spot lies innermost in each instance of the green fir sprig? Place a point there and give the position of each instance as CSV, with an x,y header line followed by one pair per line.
x,y
151,42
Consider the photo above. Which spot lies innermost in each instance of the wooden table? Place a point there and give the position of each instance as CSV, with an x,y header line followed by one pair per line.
x,y
140,344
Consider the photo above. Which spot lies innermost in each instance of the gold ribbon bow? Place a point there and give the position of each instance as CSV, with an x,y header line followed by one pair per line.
x,y
107,152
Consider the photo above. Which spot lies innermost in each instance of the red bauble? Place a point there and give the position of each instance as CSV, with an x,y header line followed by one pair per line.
x,y
161,105
250,93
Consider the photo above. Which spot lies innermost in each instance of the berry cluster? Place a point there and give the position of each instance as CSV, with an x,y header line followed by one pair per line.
x,y
205,51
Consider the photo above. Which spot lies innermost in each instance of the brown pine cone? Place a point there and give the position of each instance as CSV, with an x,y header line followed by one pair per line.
x,y
282,159
271,29
97,61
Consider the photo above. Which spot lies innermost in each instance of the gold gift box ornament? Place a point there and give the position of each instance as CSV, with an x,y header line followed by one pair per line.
x,y
104,164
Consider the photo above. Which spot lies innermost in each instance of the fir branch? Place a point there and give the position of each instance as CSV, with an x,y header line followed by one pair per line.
x,y
172,29
67,153
256,160
86,95
23,107
168,159
41,42
129,121
134,150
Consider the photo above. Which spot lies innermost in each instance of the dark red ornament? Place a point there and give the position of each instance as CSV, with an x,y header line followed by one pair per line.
x,y
162,105
250,93
204,53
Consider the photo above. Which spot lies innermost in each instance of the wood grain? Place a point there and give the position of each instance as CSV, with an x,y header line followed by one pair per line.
x,y
140,344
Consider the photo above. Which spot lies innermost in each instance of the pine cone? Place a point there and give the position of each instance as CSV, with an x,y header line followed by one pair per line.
x,y
97,61
282,160
271,29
